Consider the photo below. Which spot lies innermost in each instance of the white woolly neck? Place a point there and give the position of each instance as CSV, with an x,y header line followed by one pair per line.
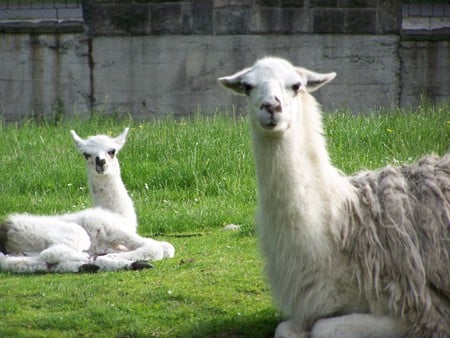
x,y
294,174
109,192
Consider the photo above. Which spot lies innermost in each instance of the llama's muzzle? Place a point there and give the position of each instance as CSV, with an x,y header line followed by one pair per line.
x,y
271,110
272,107
100,165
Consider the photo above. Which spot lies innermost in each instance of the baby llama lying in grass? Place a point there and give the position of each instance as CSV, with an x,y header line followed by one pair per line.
x,y
103,237
362,256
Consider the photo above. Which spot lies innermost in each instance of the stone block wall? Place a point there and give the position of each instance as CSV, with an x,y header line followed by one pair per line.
x,y
223,17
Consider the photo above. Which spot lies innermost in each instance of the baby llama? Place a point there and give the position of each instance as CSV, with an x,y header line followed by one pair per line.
x,y
103,237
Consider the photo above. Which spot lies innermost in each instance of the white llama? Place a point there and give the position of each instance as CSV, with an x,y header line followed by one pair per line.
x,y
362,256
103,237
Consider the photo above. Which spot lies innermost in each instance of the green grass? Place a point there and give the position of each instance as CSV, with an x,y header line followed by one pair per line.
x,y
188,178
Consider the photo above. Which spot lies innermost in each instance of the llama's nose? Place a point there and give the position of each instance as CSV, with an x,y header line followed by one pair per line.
x,y
100,162
272,106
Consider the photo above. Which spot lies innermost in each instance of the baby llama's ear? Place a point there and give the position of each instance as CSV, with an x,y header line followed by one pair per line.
x,y
78,140
234,82
120,140
314,80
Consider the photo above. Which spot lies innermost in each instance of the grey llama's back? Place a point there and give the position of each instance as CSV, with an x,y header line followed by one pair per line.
x,y
403,224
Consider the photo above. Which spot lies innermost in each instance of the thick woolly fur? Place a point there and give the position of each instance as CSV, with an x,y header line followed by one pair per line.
x,y
103,237
362,256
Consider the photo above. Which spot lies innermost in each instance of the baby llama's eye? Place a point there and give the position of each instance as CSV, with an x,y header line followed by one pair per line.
x,y
296,86
247,88
86,155
112,152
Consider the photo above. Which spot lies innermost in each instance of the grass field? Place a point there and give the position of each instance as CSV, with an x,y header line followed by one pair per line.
x,y
188,178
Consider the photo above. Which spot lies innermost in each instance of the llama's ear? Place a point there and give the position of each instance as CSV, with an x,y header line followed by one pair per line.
x,y
314,80
234,82
78,140
120,140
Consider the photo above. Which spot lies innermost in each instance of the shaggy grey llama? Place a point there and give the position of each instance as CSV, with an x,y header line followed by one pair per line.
x,y
362,256
103,237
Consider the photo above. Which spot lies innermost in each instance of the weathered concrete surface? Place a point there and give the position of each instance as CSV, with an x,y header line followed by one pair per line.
x,y
151,75
40,72
425,71
154,75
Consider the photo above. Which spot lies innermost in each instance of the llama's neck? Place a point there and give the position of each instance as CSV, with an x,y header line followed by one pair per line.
x,y
298,188
109,192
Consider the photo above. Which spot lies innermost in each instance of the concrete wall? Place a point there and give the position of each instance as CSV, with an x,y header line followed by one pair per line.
x,y
181,72
167,60
425,70
39,73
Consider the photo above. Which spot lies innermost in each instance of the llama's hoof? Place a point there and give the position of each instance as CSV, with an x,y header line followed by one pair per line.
x,y
88,268
140,265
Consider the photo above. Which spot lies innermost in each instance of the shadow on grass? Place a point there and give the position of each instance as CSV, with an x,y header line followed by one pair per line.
x,y
259,325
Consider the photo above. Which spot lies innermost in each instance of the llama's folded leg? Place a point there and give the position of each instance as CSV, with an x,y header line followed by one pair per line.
x,y
144,249
359,325
58,258
111,262
61,252
168,249
288,329
150,249
137,248
22,264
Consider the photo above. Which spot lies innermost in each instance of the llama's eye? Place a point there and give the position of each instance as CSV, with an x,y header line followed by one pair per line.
x,y
112,152
296,86
86,155
247,88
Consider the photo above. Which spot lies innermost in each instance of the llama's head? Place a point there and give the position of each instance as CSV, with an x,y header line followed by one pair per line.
x,y
101,151
274,86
